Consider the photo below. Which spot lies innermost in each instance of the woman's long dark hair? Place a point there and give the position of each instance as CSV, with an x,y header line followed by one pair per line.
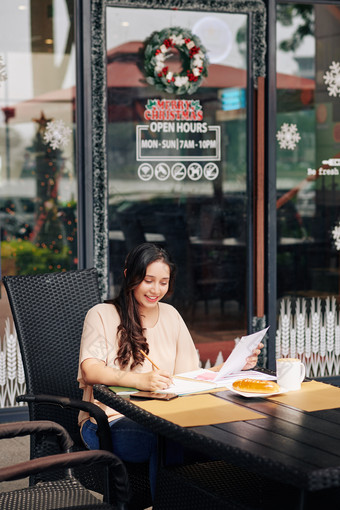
x,y
130,331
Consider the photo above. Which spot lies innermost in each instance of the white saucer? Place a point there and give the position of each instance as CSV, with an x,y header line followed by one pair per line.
x,y
255,395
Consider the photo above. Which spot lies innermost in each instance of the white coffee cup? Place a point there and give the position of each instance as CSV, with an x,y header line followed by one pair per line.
x,y
290,373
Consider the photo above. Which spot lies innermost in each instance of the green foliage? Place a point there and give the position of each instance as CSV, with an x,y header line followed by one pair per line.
x,y
241,39
286,13
32,259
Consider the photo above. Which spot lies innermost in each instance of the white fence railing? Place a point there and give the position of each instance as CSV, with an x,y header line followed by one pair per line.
x,y
12,377
308,329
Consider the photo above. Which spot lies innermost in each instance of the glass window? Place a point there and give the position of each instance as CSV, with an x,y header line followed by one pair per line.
x,y
308,177
308,164
177,161
38,192
37,167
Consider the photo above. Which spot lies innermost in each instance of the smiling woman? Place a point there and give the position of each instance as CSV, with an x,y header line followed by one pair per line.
x,y
119,335
151,290
122,336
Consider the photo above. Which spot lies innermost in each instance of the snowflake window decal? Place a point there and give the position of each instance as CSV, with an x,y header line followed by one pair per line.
x,y
336,236
3,74
288,136
57,135
332,79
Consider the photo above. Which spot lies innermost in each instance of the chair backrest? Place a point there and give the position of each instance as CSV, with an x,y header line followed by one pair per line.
x,y
48,312
131,228
174,228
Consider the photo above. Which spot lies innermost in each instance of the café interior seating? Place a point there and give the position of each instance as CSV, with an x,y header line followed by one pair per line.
x,y
131,227
201,275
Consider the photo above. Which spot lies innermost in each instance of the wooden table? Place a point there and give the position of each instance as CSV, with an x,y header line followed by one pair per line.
x,y
296,448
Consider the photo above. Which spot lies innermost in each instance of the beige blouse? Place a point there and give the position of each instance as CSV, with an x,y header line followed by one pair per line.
x,y
170,346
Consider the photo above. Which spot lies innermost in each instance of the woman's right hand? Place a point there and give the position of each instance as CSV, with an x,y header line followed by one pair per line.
x,y
154,381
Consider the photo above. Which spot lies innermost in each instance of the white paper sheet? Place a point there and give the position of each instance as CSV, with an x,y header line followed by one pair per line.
x,y
237,359
185,387
208,375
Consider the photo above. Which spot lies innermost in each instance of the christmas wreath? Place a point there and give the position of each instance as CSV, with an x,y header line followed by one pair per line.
x,y
157,49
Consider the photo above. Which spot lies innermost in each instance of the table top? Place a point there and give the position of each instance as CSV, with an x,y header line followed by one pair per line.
x,y
288,445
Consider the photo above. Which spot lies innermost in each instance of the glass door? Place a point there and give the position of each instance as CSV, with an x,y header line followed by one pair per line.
x,y
178,160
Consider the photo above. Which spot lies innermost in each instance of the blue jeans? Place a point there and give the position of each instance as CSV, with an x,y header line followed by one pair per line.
x,y
133,443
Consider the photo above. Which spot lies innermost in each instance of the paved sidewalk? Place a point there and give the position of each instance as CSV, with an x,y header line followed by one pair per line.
x,y
17,450
13,451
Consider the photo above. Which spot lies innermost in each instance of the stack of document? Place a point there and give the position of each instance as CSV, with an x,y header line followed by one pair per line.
x,y
205,380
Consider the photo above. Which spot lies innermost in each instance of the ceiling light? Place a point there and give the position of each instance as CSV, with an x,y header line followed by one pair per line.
x,y
125,23
216,36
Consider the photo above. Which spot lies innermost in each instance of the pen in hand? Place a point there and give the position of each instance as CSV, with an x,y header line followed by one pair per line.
x,y
152,363
147,357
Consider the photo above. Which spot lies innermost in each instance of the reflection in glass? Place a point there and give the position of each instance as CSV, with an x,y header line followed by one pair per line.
x,y
37,175
184,186
308,179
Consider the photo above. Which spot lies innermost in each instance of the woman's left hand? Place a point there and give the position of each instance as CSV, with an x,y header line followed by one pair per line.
x,y
252,359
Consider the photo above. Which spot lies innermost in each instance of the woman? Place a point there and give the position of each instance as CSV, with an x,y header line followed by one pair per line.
x,y
115,337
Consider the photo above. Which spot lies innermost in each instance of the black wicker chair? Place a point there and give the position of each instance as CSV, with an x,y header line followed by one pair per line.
x,y
67,492
49,312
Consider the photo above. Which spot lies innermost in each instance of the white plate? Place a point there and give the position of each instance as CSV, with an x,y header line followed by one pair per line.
x,y
255,395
